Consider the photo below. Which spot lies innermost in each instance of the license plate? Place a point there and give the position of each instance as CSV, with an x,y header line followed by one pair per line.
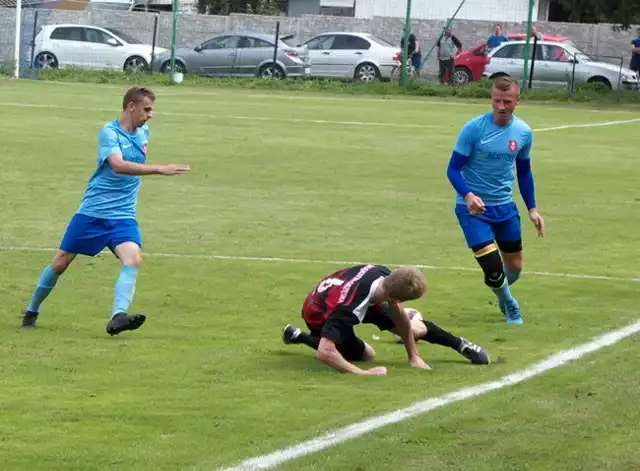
x,y
307,70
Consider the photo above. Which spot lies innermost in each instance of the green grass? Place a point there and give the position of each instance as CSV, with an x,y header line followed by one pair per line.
x,y
585,93
207,382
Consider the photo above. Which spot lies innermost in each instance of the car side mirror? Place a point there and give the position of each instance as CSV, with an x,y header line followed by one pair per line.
x,y
198,48
112,42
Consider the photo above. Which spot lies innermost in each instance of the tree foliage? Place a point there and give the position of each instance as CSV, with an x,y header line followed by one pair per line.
x,y
257,7
623,13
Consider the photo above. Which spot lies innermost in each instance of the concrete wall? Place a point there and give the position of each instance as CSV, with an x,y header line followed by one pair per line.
x,y
193,29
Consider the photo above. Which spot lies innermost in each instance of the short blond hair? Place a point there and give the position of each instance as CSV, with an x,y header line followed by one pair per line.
x,y
504,84
405,284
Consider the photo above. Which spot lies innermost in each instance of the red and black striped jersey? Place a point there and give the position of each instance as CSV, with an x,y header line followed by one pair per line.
x,y
345,294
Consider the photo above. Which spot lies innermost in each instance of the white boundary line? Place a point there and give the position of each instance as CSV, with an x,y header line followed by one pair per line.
x,y
311,121
358,429
332,262
225,116
305,95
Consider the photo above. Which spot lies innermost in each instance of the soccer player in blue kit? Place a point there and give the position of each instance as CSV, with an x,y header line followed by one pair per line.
x,y
107,214
481,170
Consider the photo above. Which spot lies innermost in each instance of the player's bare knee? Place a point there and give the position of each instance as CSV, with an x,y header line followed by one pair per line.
x,y
419,328
514,261
61,261
489,259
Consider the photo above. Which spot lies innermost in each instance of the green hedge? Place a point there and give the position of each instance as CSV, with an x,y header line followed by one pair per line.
x,y
587,93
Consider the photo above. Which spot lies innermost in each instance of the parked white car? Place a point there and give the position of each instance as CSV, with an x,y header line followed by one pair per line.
x,y
556,65
90,47
362,57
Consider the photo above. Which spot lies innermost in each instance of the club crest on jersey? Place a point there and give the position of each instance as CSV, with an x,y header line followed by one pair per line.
x,y
513,146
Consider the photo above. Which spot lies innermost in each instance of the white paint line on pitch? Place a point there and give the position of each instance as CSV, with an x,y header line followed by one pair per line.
x,y
302,95
358,429
333,262
224,116
310,121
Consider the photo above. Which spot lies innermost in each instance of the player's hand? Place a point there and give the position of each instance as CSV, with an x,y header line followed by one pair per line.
x,y
173,169
417,362
538,221
475,205
376,371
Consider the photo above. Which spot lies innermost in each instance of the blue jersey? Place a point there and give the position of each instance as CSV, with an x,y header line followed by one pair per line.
x,y
492,151
495,41
110,195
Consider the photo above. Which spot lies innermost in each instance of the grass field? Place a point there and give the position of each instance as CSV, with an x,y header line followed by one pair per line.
x,y
207,381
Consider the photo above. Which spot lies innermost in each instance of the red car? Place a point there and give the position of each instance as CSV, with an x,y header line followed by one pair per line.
x,y
469,65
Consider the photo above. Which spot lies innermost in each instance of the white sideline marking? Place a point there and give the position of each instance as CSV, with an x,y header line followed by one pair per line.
x,y
302,95
332,262
224,116
355,430
312,121
588,125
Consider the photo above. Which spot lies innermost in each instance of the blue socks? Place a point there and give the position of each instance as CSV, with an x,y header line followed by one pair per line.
x,y
503,293
125,289
47,281
512,276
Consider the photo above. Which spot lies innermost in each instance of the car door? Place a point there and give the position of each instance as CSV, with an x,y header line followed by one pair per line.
x,y
555,67
508,59
104,51
320,55
251,52
216,57
346,52
68,45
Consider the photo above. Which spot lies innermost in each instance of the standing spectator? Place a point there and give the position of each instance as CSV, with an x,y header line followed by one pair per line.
x,y
535,34
496,38
448,47
635,53
413,52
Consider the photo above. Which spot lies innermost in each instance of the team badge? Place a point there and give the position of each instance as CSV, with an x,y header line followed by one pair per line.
x,y
513,146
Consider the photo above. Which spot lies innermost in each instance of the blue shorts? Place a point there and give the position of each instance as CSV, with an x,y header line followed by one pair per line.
x,y
87,235
499,223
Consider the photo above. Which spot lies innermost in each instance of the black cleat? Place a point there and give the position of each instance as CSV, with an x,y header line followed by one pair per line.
x,y
123,321
290,334
474,353
29,320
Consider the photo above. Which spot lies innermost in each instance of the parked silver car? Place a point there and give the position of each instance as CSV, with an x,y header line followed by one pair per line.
x,y
557,64
362,57
239,55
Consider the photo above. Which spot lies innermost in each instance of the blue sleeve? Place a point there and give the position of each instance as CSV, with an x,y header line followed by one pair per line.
x,y
108,144
454,173
525,174
460,158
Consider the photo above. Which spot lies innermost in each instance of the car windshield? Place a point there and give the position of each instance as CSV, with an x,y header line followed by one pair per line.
x,y
124,36
577,53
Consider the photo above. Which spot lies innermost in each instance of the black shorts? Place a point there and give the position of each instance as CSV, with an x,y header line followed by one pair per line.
x,y
340,331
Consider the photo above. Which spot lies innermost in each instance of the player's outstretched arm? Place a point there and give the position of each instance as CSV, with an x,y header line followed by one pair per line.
x,y
329,354
121,166
402,325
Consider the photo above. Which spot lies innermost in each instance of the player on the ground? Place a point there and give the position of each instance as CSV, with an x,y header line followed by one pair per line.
x,y
369,294
482,172
107,215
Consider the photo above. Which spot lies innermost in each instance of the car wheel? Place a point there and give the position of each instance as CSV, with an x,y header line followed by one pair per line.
x,y
45,60
270,71
461,76
367,73
135,64
601,80
179,66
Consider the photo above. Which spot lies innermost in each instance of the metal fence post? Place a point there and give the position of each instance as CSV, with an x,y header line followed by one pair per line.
x,y
533,61
275,48
153,44
33,39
